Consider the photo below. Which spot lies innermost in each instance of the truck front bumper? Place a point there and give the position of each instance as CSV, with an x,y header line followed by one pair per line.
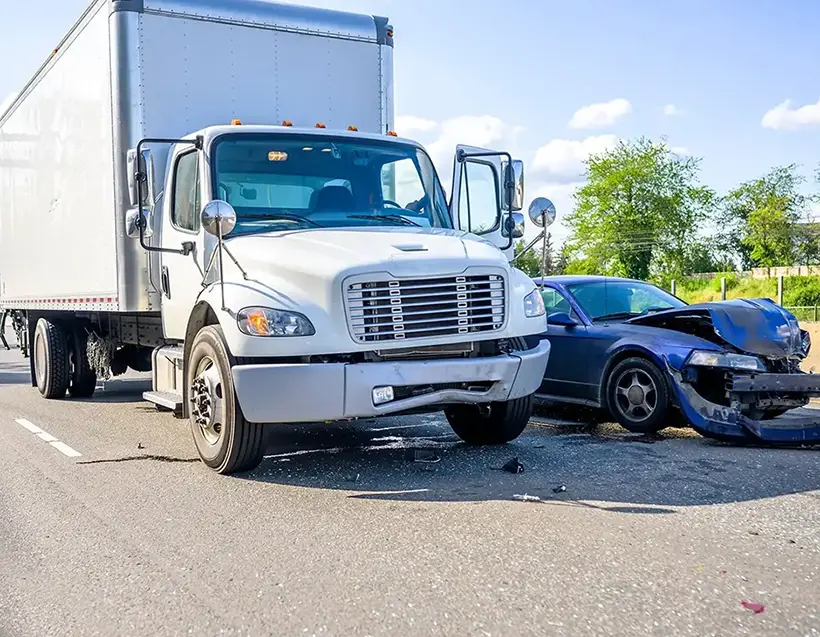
x,y
338,391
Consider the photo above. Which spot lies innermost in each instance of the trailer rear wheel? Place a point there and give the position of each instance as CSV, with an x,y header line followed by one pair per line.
x,y
83,381
51,359
226,442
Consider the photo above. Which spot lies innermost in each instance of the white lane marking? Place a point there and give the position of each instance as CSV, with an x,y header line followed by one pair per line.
x,y
30,426
65,449
47,437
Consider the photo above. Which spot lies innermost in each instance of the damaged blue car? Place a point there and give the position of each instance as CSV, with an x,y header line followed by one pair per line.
x,y
729,369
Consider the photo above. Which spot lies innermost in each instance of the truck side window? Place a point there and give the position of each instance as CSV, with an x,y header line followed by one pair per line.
x,y
478,203
187,206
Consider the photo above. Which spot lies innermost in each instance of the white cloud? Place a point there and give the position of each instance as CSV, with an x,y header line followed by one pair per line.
x,y
408,125
683,151
784,117
601,114
670,110
562,160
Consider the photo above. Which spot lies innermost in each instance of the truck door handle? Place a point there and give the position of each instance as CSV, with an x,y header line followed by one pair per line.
x,y
166,282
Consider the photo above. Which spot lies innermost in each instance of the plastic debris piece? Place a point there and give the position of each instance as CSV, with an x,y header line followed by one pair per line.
x,y
526,498
723,572
754,607
139,446
560,488
514,465
425,455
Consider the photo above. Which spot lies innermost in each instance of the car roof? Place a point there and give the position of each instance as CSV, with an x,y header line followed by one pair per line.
x,y
575,279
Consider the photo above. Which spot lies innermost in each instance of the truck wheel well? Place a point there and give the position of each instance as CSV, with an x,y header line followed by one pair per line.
x,y
201,316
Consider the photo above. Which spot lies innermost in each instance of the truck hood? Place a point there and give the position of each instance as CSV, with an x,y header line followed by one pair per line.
x,y
754,326
401,251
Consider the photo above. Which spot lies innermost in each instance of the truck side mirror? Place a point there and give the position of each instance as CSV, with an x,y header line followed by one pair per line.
x,y
513,225
132,220
146,167
513,174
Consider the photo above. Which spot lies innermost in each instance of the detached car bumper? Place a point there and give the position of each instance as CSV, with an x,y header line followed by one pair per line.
x,y
337,391
797,426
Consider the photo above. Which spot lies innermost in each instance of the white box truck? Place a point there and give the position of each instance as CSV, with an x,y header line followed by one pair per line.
x,y
211,191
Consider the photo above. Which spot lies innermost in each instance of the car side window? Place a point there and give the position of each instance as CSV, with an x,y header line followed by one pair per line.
x,y
556,302
186,212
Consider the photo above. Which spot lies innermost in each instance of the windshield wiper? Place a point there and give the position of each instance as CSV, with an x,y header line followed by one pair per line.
x,y
393,218
281,216
615,316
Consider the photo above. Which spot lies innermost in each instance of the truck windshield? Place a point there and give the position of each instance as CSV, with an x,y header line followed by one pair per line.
x,y
288,181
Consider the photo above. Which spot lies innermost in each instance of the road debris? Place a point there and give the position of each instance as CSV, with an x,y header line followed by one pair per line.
x,y
424,455
139,446
513,465
754,607
526,498
560,488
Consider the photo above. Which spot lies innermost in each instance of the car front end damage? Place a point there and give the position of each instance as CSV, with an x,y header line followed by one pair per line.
x,y
747,385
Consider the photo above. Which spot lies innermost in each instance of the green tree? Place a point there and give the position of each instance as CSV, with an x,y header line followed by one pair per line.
x,y
638,213
763,221
530,262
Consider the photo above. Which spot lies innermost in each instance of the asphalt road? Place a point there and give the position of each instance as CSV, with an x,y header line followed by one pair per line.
x,y
393,528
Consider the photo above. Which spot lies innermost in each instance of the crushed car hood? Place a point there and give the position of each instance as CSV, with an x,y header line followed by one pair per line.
x,y
755,326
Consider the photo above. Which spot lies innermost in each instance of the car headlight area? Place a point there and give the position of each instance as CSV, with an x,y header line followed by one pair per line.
x,y
725,360
264,321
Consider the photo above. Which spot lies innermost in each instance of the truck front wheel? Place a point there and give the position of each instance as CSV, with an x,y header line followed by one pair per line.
x,y
51,369
226,442
493,424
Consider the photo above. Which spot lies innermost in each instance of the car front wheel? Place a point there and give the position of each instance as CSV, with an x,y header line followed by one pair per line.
x,y
638,397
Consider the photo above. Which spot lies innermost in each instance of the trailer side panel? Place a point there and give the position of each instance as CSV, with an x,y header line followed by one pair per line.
x,y
57,211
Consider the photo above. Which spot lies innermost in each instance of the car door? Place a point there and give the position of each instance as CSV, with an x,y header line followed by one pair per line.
x,y
565,374
475,204
181,275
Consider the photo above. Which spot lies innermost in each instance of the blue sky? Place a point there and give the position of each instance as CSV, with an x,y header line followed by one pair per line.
x,y
518,74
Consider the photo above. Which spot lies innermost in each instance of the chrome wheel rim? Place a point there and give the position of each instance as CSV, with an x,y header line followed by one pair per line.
x,y
207,401
636,395
39,359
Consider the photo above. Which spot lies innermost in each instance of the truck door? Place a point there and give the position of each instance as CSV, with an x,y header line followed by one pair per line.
x,y
181,275
478,193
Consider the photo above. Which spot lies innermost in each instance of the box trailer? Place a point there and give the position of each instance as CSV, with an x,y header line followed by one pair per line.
x,y
214,192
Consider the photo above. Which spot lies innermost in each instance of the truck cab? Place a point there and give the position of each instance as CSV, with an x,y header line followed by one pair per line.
x,y
301,262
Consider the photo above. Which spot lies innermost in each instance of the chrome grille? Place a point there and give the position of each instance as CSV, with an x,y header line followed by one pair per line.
x,y
424,308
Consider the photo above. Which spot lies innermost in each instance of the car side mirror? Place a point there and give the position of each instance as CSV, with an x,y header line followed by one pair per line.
x,y
561,318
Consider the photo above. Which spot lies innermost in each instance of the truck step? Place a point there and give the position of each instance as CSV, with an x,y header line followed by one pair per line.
x,y
168,400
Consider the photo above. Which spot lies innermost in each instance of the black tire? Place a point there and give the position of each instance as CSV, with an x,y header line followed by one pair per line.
x,y
83,379
51,359
493,424
237,445
628,414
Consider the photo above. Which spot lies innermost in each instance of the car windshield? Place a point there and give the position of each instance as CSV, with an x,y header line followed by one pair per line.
x,y
605,300
288,181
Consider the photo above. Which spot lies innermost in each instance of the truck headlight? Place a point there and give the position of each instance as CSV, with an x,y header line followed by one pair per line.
x,y
704,358
534,304
264,321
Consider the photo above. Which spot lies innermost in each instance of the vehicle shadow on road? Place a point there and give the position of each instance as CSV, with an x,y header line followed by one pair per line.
x,y
597,465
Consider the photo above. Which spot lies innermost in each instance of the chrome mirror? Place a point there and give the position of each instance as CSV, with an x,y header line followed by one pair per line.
x,y
542,212
146,166
132,228
514,225
516,175
218,218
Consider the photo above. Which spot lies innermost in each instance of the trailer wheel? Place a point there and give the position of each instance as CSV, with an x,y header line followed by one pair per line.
x,y
493,424
83,380
226,442
51,359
